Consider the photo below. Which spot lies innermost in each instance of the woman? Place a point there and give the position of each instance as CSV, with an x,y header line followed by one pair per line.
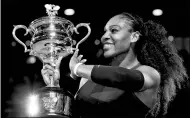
x,y
142,78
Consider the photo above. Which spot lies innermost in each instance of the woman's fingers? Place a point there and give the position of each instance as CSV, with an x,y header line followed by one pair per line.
x,y
83,61
80,57
47,69
76,53
45,76
47,66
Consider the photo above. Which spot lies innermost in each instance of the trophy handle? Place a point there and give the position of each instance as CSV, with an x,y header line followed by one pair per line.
x,y
15,37
89,31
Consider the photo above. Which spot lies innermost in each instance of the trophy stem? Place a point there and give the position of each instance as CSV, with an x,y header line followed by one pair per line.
x,y
51,81
50,70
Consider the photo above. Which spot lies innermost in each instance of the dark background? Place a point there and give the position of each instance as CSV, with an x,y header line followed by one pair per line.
x,y
20,78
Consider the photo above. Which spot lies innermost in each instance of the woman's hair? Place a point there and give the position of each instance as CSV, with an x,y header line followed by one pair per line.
x,y
155,50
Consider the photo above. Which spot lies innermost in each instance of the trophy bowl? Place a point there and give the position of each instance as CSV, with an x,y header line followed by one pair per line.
x,y
51,41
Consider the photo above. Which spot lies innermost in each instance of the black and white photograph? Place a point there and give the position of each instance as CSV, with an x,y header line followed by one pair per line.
x,y
95,59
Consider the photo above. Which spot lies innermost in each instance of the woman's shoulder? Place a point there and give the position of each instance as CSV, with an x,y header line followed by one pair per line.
x,y
148,69
151,75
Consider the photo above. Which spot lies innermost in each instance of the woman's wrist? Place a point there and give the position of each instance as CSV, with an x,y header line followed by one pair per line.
x,y
76,68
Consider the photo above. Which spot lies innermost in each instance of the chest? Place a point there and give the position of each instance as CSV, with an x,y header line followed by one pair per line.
x,y
95,92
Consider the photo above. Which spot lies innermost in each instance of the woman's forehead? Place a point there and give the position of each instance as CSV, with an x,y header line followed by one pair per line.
x,y
118,21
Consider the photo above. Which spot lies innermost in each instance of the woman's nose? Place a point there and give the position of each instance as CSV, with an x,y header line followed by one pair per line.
x,y
104,38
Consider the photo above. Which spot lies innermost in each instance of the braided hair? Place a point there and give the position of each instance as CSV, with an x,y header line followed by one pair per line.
x,y
155,50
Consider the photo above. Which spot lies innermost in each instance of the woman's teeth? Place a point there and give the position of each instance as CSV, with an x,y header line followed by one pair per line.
x,y
108,45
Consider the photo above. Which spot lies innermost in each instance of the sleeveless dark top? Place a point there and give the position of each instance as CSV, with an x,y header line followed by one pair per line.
x,y
96,101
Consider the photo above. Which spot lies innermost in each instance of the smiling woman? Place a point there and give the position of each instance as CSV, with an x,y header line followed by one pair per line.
x,y
117,37
142,78
175,20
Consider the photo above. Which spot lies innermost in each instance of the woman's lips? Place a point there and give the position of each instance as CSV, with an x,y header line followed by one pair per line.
x,y
107,45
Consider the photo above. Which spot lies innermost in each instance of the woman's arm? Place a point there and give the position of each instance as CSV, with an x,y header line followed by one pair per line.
x,y
84,71
132,80
144,77
126,79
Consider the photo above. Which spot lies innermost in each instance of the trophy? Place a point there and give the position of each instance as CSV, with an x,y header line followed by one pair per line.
x,y
51,41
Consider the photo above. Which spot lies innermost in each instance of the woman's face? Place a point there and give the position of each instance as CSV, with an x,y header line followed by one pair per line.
x,y
116,38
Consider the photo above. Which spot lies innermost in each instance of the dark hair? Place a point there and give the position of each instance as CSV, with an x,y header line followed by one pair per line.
x,y
155,50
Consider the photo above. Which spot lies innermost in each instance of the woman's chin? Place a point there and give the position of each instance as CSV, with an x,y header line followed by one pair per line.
x,y
108,54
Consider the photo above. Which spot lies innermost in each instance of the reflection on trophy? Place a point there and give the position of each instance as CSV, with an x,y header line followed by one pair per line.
x,y
51,41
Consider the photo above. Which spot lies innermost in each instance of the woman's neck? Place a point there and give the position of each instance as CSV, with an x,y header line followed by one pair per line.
x,y
126,60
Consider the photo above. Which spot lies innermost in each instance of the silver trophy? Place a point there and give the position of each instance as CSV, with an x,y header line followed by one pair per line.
x,y
51,41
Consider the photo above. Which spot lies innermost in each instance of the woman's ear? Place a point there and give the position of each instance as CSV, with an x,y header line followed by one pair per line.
x,y
135,36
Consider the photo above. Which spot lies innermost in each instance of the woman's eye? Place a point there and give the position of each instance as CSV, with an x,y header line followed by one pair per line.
x,y
114,30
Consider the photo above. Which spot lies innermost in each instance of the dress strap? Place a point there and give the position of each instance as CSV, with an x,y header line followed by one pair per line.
x,y
136,66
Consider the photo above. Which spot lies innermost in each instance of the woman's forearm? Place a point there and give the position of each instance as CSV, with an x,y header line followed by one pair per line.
x,y
85,71
113,76
118,77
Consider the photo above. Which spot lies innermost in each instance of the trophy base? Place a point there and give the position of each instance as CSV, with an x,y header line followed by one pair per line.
x,y
55,102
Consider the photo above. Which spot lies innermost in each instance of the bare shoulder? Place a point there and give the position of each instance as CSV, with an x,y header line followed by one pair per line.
x,y
148,69
151,76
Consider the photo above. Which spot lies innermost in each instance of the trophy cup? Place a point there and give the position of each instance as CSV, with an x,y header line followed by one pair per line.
x,y
51,41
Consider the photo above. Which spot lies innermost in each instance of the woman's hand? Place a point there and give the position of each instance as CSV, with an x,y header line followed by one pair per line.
x,y
50,75
74,60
